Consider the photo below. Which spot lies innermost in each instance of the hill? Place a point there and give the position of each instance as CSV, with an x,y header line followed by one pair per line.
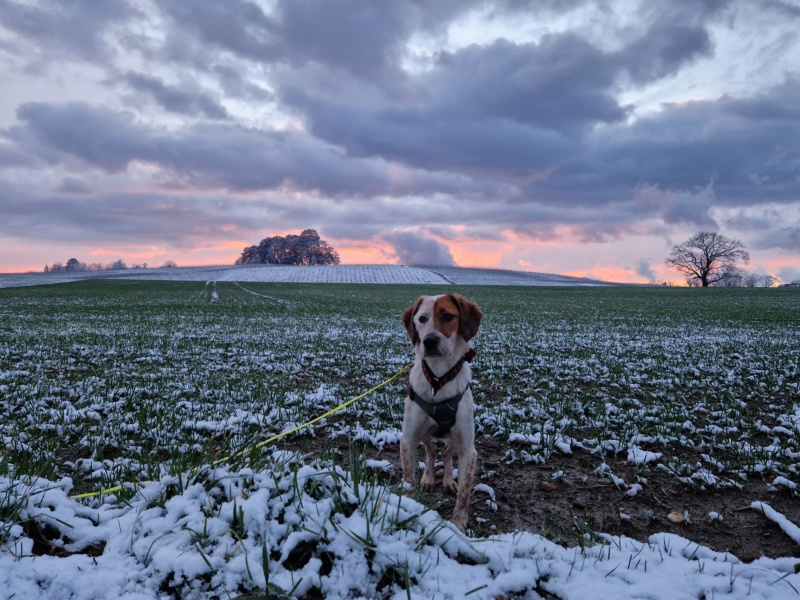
x,y
387,274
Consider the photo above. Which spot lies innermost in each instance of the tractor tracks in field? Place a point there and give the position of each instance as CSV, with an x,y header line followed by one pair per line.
x,y
265,296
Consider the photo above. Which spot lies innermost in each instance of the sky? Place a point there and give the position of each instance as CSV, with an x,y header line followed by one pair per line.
x,y
558,136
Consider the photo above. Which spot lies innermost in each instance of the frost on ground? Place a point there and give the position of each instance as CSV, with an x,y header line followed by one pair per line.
x,y
298,529
612,393
394,274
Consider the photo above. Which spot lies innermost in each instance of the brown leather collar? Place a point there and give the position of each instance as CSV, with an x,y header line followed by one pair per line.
x,y
437,383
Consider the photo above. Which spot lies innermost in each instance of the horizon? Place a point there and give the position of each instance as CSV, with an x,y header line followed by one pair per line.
x,y
565,138
149,267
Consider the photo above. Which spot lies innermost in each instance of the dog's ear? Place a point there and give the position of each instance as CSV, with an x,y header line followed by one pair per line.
x,y
469,317
408,321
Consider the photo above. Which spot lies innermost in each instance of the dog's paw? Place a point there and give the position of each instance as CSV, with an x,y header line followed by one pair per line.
x,y
426,485
450,486
459,519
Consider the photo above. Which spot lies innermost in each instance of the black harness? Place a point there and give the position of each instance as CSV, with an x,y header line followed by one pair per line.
x,y
443,411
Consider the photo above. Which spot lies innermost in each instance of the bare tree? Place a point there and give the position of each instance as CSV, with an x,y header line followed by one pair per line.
x,y
707,258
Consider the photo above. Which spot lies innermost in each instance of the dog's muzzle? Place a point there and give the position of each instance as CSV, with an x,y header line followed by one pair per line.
x,y
431,345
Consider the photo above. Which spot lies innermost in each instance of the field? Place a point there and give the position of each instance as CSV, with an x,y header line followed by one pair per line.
x,y
394,274
600,411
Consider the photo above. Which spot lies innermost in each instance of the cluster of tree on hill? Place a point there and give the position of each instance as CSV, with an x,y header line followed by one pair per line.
x,y
75,266
708,259
303,249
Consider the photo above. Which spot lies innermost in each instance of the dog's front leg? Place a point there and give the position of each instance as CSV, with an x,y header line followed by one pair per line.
x,y
462,442
408,462
430,461
409,442
467,461
448,483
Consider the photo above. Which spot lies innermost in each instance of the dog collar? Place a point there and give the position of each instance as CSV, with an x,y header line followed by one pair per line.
x,y
438,383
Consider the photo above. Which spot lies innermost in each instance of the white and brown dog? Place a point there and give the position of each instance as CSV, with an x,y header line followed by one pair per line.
x,y
439,402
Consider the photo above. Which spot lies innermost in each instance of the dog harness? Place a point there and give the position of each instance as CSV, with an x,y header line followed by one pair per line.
x,y
444,411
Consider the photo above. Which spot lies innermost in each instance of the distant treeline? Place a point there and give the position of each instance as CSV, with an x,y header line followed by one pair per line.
x,y
303,249
75,266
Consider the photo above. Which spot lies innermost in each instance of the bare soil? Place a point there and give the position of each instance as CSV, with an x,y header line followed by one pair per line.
x,y
565,509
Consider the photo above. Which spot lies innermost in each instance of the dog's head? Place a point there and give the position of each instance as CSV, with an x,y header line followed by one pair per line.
x,y
439,323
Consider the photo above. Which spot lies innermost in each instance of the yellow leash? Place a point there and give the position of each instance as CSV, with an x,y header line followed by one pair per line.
x,y
274,438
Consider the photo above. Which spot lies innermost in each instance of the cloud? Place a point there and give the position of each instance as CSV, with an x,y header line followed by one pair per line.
x,y
678,207
676,36
785,238
495,121
415,249
64,29
206,155
238,26
364,39
183,100
644,269
507,111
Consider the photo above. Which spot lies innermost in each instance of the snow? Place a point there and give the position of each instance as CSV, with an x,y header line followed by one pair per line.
x,y
389,274
204,535
789,528
640,457
208,540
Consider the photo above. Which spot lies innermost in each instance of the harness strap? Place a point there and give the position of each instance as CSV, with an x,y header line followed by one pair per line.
x,y
438,383
443,412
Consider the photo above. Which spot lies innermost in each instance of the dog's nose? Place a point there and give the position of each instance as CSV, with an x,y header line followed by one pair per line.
x,y
431,343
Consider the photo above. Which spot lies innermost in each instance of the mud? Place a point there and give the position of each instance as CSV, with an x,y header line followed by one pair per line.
x,y
574,507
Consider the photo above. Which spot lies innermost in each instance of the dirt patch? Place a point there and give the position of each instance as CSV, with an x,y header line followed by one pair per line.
x,y
583,503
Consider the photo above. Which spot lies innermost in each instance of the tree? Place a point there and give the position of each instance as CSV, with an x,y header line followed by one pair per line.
x,y
117,265
303,249
74,265
708,258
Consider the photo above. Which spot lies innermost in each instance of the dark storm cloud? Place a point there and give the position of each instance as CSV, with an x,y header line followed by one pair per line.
x,y
414,249
175,99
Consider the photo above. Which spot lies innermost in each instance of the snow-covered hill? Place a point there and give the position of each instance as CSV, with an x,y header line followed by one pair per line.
x,y
389,274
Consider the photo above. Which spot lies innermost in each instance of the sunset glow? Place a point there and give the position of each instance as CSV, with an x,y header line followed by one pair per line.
x,y
586,144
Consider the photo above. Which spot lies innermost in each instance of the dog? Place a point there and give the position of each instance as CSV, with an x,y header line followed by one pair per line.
x,y
439,402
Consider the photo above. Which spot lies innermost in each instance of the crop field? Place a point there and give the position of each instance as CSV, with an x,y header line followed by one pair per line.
x,y
600,411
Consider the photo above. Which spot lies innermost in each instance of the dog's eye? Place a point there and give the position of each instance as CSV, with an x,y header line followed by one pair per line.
x,y
423,319
448,318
